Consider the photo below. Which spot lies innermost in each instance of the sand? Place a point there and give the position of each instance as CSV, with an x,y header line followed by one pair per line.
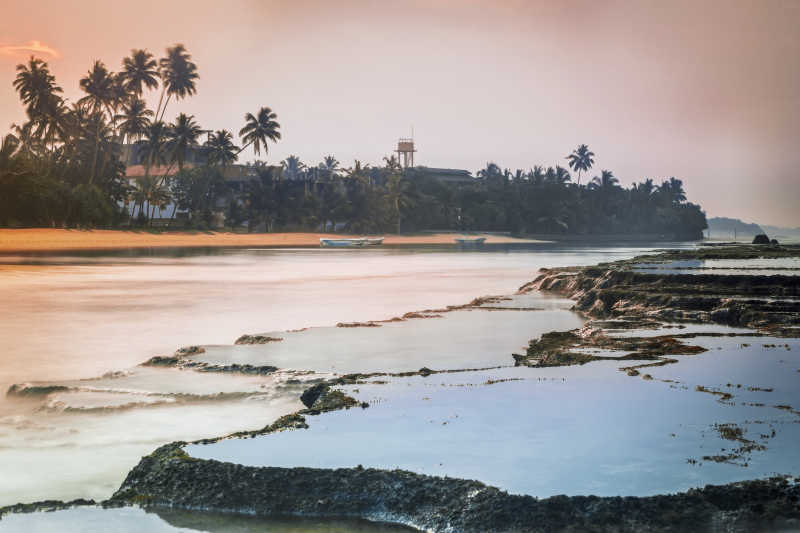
x,y
45,239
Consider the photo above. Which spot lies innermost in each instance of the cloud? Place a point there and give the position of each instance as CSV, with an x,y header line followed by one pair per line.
x,y
31,47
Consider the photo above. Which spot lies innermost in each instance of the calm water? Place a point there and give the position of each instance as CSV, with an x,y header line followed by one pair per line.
x,y
575,430
131,519
86,321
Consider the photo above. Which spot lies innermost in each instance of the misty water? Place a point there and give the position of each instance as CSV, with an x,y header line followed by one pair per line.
x,y
84,322
133,520
587,429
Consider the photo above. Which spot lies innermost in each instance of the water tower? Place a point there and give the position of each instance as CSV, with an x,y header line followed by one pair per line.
x,y
405,152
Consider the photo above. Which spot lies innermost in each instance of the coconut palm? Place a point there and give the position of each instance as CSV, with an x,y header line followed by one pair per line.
x,y
98,84
35,85
178,76
153,147
671,192
220,149
182,135
292,167
562,175
135,119
398,195
140,71
605,182
580,160
491,171
359,173
259,129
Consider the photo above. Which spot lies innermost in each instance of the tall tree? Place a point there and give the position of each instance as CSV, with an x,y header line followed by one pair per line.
x,y
140,71
178,77
98,84
581,160
35,85
398,194
220,149
134,119
182,135
259,129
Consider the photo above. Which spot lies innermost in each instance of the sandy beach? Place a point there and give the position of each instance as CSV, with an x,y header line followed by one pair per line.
x,y
45,239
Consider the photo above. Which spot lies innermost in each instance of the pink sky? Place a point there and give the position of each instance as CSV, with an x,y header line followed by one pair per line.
x,y
708,92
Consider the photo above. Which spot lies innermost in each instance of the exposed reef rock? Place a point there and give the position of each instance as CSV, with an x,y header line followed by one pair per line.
x,y
561,348
169,477
44,506
28,389
257,339
768,303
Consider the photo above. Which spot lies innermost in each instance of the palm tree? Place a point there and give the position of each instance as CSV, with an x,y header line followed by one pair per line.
x,y
98,84
359,173
221,150
293,167
35,85
178,75
134,119
153,147
605,182
491,171
139,71
392,164
397,192
561,175
671,192
181,136
581,159
259,129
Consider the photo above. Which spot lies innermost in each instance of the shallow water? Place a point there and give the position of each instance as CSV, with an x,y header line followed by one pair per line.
x,y
475,338
82,316
134,519
771,266
587,429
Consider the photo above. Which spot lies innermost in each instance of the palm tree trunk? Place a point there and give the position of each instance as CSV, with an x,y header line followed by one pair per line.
x,y
397,208
96,148
160,99
163,111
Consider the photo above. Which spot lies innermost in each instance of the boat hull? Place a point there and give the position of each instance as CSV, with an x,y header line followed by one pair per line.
x,y
342,243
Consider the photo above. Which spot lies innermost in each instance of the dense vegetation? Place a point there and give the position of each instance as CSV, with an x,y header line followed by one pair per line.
x,y
64,167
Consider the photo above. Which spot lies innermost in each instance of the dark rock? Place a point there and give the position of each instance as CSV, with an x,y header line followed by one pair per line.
x,y
257,339
311,394
761,239
162,360
26,389
169,477
44,506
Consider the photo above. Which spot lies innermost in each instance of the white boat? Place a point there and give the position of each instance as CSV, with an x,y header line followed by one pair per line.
x,y
470,240
374,241
342,243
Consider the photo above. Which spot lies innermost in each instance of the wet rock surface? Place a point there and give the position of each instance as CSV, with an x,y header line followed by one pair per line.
x,y
257,339
169,477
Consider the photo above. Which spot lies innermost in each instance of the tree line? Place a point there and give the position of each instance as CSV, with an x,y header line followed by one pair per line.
x,y
64,167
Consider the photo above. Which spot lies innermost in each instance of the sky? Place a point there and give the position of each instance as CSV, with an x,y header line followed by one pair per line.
x,y
706,91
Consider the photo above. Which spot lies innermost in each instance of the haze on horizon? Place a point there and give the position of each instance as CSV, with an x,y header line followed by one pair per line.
x,y
708,92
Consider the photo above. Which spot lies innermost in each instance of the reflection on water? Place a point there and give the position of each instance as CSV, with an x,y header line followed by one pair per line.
x,y
84,315
134,520
459,339
761,266
587,429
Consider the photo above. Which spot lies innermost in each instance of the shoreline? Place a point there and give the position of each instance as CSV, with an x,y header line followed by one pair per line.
x,y
55,240
612,296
